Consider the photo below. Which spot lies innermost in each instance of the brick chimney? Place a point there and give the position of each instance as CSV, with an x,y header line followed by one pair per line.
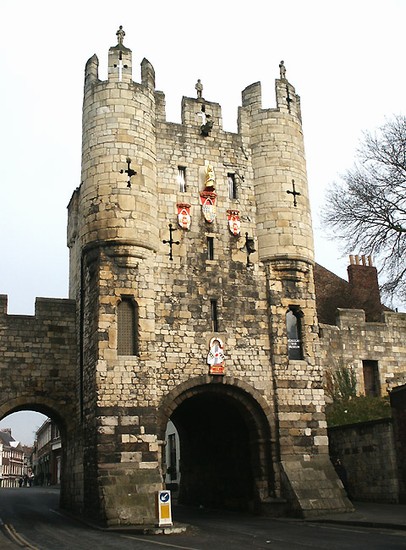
x,y
364,287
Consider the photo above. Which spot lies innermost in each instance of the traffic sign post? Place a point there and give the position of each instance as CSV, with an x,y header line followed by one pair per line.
x,y
164,509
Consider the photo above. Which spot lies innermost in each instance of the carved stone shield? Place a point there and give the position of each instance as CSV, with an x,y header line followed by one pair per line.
x,y
208,202
234,223
184,217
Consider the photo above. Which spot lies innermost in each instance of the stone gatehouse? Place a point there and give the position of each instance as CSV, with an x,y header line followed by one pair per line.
x,y
192,299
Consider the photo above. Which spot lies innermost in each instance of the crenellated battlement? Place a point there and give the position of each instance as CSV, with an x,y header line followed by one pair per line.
x,y
287,101
46,309
352,319
194,111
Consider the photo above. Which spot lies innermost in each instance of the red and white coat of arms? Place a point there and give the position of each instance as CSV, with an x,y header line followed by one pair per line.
x,y
208,202
234,222
184,217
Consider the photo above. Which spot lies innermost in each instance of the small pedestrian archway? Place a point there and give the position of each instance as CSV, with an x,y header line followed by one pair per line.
x,y
47,464
225,454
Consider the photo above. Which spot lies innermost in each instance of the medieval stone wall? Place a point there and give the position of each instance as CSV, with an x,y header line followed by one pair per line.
x,y
187,284
368,453
40,351
398,404
174,296
38,371
353,340
174,305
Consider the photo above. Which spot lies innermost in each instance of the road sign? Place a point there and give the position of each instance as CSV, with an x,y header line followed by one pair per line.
x,y
164,508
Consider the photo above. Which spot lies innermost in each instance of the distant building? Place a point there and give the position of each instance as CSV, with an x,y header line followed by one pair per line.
x,y
46,458
27,468
11,459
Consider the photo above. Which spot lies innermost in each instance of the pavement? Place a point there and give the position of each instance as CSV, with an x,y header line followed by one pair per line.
x,y
366,514
370,514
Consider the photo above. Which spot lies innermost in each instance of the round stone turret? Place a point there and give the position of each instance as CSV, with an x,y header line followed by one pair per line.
x,y
118,194
284,226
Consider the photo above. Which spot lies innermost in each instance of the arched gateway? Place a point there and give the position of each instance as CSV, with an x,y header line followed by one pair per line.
x,y
189,246
225,443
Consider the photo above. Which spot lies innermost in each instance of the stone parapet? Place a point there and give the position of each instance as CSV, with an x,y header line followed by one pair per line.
x,y
354,341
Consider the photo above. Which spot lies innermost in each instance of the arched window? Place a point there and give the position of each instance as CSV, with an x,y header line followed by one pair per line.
x,y
294,331
127,326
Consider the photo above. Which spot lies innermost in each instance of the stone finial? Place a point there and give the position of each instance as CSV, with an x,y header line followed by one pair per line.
x,y
282,69
199,88
120,35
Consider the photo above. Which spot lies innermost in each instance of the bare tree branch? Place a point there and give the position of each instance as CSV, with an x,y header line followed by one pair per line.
x,y
366,208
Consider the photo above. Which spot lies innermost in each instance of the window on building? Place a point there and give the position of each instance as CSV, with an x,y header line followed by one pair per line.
x,y
55,433
182,179
232,186
127,326
294,331
371,378
214,316
210,248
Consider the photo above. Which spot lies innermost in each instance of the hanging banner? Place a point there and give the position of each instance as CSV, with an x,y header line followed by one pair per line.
x,y
234,223
184,217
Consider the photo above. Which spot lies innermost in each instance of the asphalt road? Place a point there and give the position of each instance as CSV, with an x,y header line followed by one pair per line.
x,y
31,519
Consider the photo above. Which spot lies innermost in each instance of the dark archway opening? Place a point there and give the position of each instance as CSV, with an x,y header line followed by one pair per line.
x,y
216,466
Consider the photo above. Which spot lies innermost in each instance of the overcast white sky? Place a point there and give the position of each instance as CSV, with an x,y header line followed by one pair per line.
x,y
346,60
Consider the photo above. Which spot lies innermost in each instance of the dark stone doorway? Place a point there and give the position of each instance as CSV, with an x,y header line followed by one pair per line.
x,y
215,453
